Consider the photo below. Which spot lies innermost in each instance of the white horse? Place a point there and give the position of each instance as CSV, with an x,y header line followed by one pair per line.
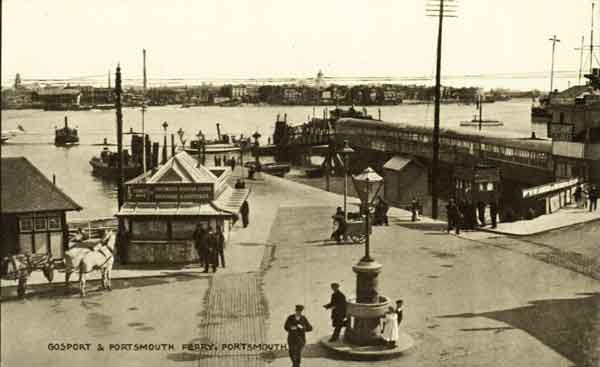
x,y
86,260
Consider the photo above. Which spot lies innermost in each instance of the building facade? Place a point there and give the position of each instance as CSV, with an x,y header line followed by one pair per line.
x,y
163,209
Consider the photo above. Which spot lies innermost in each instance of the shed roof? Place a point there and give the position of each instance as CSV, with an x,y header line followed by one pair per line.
x,y
181,168
397,163
25,189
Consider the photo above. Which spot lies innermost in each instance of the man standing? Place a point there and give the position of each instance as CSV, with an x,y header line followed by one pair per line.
x,y
297,326
414,208
200,243
453,215
593,196
338,311
220,254
245,211
211,252
494,213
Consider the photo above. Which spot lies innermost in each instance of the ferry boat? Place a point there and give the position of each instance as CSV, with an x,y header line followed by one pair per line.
x,y
66,135
107,165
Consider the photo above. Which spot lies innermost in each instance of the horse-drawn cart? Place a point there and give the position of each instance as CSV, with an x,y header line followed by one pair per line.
x,y
19,267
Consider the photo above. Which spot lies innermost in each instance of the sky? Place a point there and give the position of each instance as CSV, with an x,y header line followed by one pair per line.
x,y
221,39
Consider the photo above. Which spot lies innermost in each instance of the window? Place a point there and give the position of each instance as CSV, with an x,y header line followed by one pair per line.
x,y
40,224
54,223
149,230
26,224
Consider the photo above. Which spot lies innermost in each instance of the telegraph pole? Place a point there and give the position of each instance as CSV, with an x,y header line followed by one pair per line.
x,y
554,40
143,113
592,40
118,92
580,59
441,9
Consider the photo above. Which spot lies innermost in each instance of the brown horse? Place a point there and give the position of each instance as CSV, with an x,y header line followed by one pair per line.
x,y
86,260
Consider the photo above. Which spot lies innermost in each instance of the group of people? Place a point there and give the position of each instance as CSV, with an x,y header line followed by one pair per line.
x,y
210,246
592,193
225,161
297,325
466,214
381,209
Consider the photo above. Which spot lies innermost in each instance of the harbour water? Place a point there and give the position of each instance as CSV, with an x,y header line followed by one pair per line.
x,y
98,197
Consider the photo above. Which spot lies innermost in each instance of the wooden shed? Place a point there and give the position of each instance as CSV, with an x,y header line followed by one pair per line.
x,y
33,211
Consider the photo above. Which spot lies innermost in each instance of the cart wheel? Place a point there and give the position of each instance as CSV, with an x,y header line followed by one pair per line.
x,y
49,272
357,238
21,287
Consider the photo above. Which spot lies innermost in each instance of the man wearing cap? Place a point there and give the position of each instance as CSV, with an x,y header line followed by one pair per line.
x,y
296,325
338,311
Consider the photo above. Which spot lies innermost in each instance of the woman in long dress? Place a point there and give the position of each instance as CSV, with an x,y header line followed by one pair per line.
x,y
389,325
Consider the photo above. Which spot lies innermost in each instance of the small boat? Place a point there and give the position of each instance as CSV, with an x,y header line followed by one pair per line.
x,y
479,121
105,106
186,105
230,103
9,134
275,169
66,135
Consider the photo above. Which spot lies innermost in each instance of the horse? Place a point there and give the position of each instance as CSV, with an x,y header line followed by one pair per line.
x,y
86,260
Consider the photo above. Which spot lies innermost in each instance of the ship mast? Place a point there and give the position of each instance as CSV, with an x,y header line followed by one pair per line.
x,y
592,39
143,113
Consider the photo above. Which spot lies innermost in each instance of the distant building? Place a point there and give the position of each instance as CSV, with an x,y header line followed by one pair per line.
x,y
575,130
238,92
292,95
59,98
33,211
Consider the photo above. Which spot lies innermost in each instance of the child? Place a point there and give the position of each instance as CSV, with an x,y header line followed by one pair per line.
x,y
389,331
399,310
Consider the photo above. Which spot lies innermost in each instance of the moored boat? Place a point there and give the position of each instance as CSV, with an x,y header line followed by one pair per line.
x,y
66,135
275,169
107,165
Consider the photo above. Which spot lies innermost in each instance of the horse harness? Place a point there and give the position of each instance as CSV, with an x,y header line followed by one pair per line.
x,y
107,252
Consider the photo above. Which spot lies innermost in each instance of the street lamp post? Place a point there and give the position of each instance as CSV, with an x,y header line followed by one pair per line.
x,y
165,125
368,306
256,136
345,152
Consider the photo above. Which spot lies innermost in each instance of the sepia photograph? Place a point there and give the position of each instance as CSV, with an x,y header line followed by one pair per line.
x,y
271,183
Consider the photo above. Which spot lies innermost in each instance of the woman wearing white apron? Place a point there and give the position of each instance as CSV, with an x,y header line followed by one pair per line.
x,y
389,327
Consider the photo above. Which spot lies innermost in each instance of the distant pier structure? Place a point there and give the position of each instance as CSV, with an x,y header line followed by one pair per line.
x,y
535,173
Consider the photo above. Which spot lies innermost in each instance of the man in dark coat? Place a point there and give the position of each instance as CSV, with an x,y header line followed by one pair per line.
x,y
453,214
200,243
245,211
340,231
211,252
414,208
297,326
220,254
494,213
337,304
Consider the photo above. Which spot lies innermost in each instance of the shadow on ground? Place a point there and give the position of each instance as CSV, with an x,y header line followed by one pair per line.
x,y
571,327
58,290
